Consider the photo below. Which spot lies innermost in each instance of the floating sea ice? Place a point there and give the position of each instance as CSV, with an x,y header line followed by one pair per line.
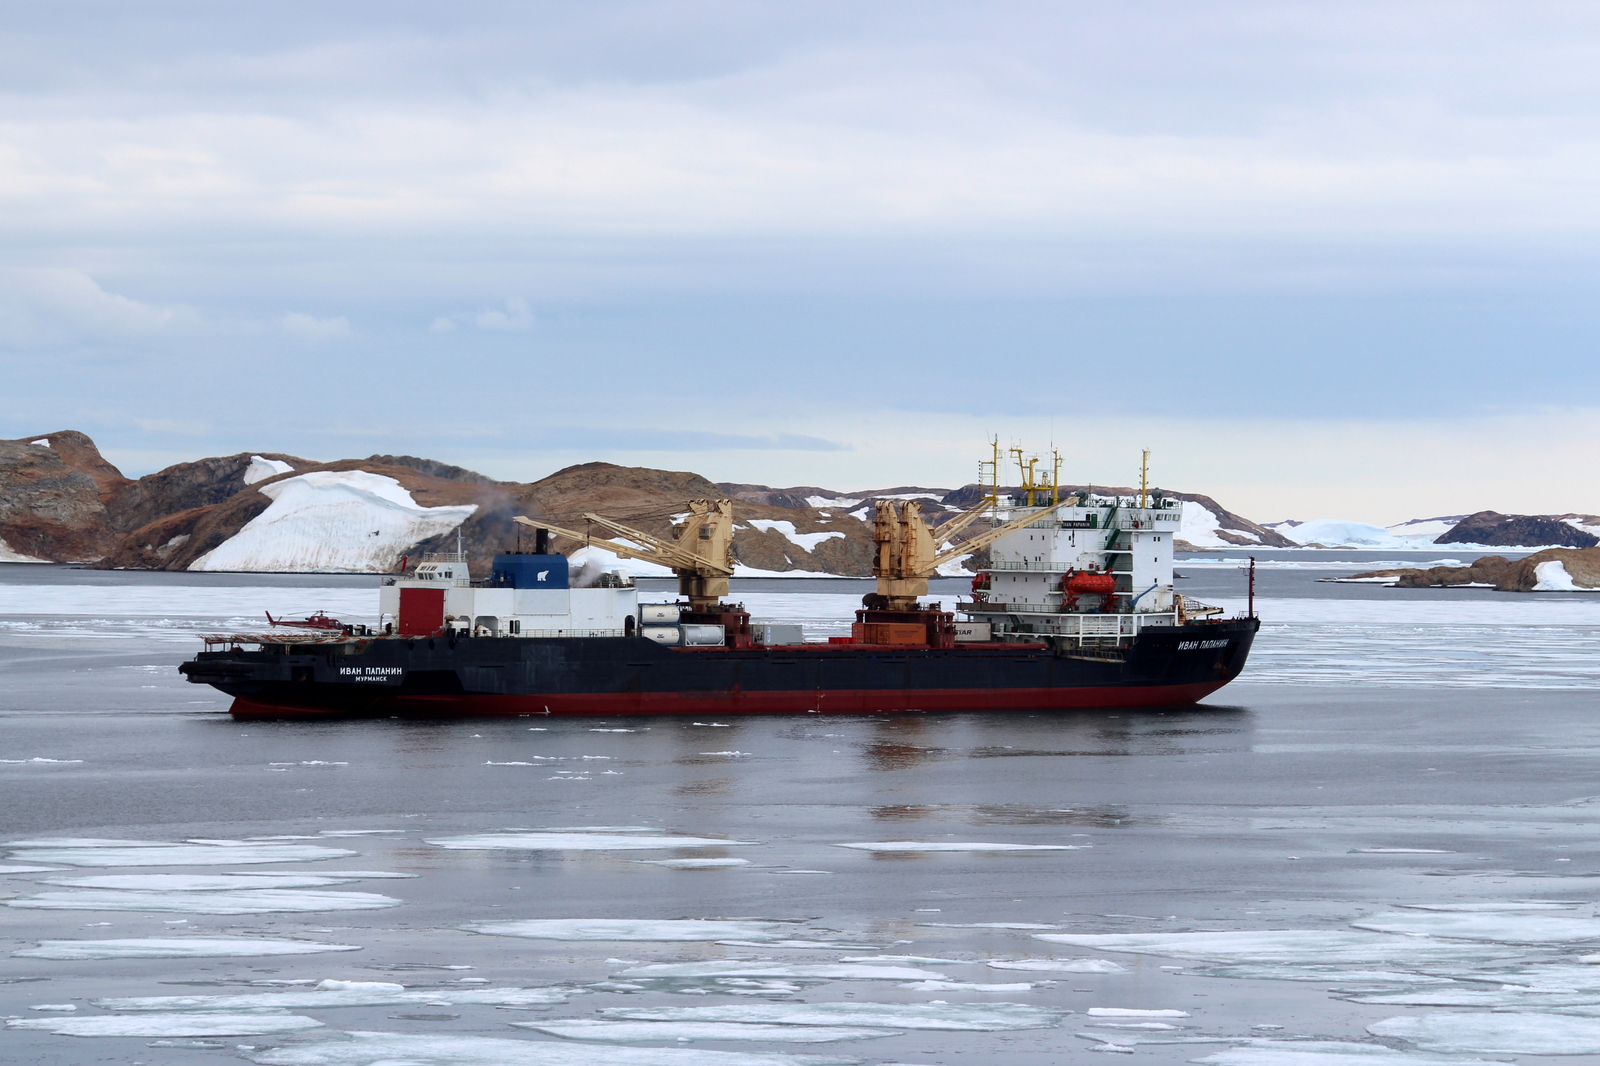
x,y
1265,1052
357,832
255,901
1059,965
1146,1027
955,1017
54,1006
924,960
1324,948
188,947
1492,908
372,1048
827,971
1400,851
814,945
573,842
183,854
966,986
1494,927
660,930
1501,1034
340,994
623,1032
987,925
198,882
29,869
1271,971
39,759
1496,998
171,1025
693,864
924,845
1132,1012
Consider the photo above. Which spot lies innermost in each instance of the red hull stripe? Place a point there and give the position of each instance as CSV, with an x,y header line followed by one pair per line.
x,y
845,701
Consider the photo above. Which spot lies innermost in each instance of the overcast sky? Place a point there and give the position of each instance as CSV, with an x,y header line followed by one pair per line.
x,y
1328,259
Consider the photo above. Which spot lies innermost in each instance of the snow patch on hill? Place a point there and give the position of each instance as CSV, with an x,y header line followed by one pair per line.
x,y
806,541
1199,526
7,555
261,468
332,521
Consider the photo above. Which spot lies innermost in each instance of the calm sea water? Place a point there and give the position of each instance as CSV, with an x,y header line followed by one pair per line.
x,y
1379,842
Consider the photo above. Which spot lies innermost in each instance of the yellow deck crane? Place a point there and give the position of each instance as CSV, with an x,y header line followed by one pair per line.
x,y
702,556
908,549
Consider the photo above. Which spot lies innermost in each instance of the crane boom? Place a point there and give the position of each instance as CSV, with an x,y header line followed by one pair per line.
x,y
989,536
702,556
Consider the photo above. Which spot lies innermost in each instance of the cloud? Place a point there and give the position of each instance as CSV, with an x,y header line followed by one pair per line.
x,y
516,317
314,330
54,304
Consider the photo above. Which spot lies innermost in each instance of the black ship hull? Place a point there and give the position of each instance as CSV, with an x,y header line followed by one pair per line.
x,y
508,676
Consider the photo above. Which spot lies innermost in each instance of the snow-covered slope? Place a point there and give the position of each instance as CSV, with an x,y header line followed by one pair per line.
x,y
1199,527
805,541
332,521
261,468
7,555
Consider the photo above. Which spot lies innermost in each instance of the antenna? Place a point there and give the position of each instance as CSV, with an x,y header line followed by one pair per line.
x,y
989,473
1144,478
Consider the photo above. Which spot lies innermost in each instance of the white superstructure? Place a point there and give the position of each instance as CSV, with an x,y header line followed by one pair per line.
x,y
1089,573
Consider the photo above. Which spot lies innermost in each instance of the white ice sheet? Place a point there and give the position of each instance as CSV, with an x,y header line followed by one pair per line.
x,y
242,901
968,1017
170,1024
189,947
363,1048
576,842
643,929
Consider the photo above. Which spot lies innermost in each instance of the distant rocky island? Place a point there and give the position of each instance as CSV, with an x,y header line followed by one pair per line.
x,y
1551,570
62,501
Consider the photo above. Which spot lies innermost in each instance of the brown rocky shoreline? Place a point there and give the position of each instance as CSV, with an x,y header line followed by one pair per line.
x,y
1580,565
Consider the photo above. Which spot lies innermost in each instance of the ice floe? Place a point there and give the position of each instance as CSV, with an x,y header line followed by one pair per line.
x,y
1498,927
170,1024
1134,1012
665,930
967,1017
342,994
1500,1034
829,971
67,1007
694,864
1267,1052
242,901
362,1048
1320,948
1059,965
143,854
1492,908
189,947
201,882
925,845
622,1031
967,986
28,869
573,841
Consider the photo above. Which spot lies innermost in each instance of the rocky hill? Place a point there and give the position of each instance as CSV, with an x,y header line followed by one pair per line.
x,y
61,501
1551,570
1521,531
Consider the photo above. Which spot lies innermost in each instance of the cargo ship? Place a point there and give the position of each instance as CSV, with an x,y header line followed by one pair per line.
x,y
1074,608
